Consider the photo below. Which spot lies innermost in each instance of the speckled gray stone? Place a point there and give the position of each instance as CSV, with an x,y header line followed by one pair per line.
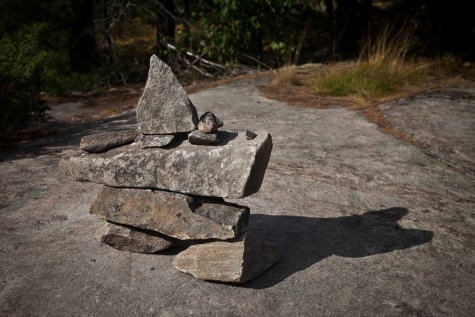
x,y
172,214
101,142
153,140
164,107
200,138
234,261
233,168
133,240
209,123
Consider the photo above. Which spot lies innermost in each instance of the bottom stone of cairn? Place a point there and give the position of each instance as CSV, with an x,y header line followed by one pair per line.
x,y
228,261
148,221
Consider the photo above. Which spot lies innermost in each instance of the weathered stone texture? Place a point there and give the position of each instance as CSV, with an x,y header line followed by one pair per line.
x,y
209,123
250,135
101,142
234,261
150,140
234,168
172,214
132,240
164,107
200,138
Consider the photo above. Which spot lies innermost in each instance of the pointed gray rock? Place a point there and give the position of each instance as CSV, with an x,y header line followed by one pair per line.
x,y
164,107
101,142
232,168
234,261
200,138
172,214
133,240
153,140
209,123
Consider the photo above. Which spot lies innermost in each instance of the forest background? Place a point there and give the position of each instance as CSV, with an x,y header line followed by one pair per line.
x,y
54,47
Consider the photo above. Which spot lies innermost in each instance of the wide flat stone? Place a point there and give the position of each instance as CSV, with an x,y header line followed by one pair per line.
x,y
153,140
235,261
233,168
164,107
101,142
172,214
133,240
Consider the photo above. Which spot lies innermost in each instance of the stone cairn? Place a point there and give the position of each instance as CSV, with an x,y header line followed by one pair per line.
x,y
165,183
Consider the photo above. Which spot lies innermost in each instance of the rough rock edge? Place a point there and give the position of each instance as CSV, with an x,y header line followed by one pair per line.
x,y
165,120
214,261
172,214
123,167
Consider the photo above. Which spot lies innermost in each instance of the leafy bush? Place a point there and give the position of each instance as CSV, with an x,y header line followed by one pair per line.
x,y
21,63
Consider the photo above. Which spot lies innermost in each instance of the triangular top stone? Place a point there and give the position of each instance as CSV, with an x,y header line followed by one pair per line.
x,y
164,107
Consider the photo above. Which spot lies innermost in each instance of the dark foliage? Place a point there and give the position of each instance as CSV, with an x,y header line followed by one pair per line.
x,y
21,63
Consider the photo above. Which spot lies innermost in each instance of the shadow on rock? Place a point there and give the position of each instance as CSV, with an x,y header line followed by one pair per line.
x,y
305,241
68,135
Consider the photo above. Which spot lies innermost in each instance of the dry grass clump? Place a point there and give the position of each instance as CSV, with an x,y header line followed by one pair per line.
x,y
383,72
286,75
381,69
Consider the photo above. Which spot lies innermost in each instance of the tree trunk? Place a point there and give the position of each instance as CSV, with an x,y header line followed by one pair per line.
x,y
347,27
106,20
186,26
165,27
82,41
366,8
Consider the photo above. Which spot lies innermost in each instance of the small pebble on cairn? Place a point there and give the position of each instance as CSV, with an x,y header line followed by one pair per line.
x,y
250,135
209,123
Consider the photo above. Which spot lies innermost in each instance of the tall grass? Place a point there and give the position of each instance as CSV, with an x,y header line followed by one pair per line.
x,y
382,68
391,45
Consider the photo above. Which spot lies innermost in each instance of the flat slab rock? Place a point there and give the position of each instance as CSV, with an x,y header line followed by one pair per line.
x,y
101,142
235,261
164,107
133,240
172,214
233,168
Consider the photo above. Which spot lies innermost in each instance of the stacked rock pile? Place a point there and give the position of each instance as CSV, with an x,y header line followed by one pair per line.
x,y
162,186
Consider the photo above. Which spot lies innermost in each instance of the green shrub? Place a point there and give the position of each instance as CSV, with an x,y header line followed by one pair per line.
x,y
21,64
